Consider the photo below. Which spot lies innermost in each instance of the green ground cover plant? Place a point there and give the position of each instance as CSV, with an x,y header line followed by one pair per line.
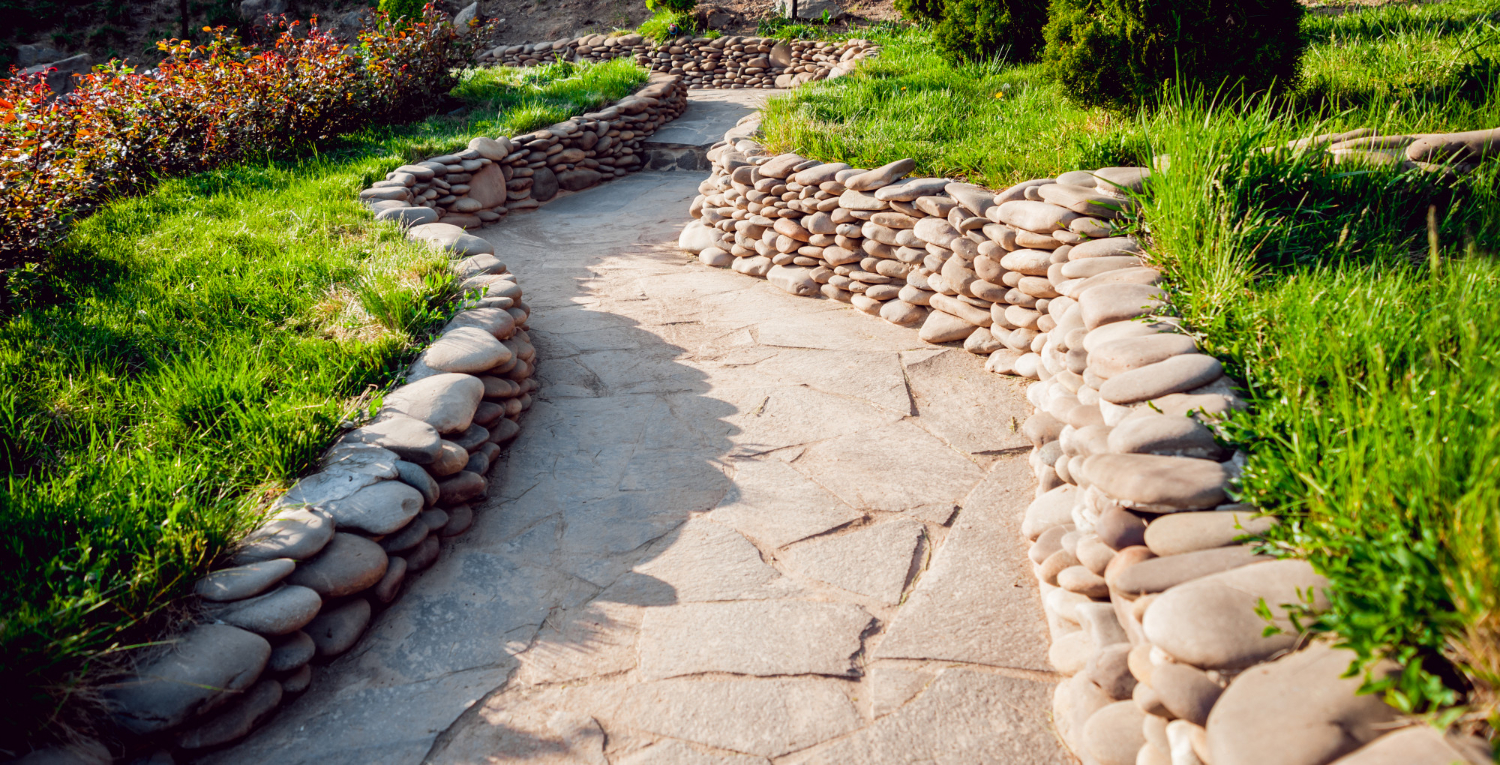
x,y
188,353
205,106
1367,334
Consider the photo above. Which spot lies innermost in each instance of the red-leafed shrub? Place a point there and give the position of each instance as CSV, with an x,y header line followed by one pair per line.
x,y
205,106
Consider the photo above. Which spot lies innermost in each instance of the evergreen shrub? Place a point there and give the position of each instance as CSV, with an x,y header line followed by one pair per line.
x,y
975,30
1122,53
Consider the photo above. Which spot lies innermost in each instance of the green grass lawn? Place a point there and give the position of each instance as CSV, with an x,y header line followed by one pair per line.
x,y
187,354
1371,371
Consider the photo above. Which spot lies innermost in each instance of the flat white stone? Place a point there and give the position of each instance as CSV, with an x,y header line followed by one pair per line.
x,y
897,467
771,502
964,716
872,561
762,717
978,602
758,637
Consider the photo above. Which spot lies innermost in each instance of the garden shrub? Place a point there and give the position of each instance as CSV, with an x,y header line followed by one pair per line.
x,y
204,107
402,9
1121,53
975,30
921,10
676,6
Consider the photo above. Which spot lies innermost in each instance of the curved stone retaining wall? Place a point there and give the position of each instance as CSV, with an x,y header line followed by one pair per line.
x,y
338,546
1148,579
723,62
481,184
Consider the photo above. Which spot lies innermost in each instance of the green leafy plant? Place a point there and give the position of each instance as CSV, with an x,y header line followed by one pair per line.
x,y
1122,53
921,10
675,6
667,24
120,130
402,9
975,30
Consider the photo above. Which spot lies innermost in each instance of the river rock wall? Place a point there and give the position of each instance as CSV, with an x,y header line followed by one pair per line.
x,y
723,62
491,178
338,547
1147,571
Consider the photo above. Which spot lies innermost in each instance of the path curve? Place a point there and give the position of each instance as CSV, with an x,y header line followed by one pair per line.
x,y
739,526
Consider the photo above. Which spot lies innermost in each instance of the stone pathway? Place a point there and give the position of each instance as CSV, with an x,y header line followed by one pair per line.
x,y
738,527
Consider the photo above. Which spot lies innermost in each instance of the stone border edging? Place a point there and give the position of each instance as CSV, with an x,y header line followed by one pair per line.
x,y
1150,602
722,62
341,542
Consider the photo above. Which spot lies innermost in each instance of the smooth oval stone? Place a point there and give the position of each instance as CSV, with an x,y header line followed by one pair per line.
x,y
349,564
940,327
1083,269
1054,508
1417,745
503,431
418,478
1186,692
1114,735
858,200
451,238
976,199
279,612
1178,374
460,517
461,487
820,174
936,231
451,460
1211,623
1108,303
1117,246
406,538
472,437
1159,574
1018,191
884,175
445,401
1121,180
1036,217
1076,287
1297,710
1164,434
1471,146
425,555
291,652
242,582
1101,622
466,349
1029,262
236,720
296,533
1157,484
781,165
1069,654
1085,201
379,509
336,630
408,216
1126,354
1042,428
793,280
495,321
204,667
911,189
1110,670
408,438
1180,533
389,585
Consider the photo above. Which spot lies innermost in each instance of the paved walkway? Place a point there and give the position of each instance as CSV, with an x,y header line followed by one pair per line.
x,y
738,527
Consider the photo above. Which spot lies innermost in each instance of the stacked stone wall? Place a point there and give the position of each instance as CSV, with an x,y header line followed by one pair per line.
x,y
340,544
723,62
494,177
1148,574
